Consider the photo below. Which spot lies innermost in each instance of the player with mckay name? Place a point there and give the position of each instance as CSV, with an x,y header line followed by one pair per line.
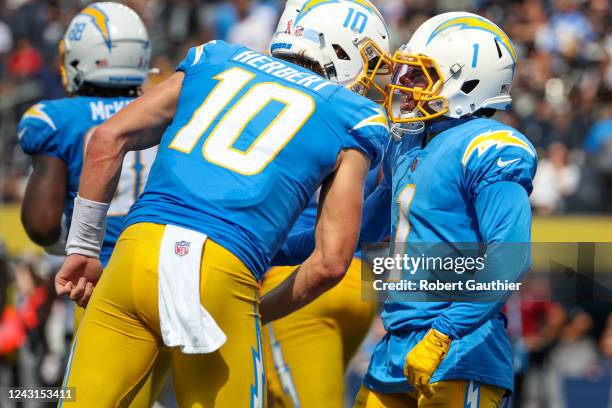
x,y
105,56
105,59
319,340
249,140
451,175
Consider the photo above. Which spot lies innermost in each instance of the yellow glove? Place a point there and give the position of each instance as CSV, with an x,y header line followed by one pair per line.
x,y
424,359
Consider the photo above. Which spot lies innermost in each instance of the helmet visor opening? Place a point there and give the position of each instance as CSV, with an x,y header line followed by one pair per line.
x,y
413,90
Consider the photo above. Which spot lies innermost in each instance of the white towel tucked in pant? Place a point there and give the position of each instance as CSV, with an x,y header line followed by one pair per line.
x,y
184,321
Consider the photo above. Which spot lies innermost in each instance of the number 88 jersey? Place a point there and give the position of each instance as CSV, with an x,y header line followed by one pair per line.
x,y
252,139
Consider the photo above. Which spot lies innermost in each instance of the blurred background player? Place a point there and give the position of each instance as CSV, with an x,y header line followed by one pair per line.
x,y
251,140
105,56
319,340
457,177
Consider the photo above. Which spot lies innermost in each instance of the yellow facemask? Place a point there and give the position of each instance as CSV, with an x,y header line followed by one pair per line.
x,y
429,104
375,63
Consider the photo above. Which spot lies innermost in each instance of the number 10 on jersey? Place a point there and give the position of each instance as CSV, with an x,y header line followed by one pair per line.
x,y
219,145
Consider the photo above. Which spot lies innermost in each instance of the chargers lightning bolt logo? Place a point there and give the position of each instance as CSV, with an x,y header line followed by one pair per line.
x,y
257,389
475,23
100,21
37,112
498,138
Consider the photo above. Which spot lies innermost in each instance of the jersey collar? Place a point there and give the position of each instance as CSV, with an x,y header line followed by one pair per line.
x,y
441,126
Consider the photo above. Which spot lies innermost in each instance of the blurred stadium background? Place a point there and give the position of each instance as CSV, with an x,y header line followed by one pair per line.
x,y
562,102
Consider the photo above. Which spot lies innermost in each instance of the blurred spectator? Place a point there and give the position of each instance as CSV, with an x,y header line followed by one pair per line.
x,y
567,32
598,145
256,29
6,38
556,179
25,62
605,346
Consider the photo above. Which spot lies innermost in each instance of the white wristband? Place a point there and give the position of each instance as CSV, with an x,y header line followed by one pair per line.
x,y
87,228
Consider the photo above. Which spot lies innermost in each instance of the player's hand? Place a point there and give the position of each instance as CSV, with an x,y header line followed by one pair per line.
x,y
424,359
77,278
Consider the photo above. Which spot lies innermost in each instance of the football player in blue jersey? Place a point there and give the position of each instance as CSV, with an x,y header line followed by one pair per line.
x,y
451,175
319,340
105,59
249,140
464,179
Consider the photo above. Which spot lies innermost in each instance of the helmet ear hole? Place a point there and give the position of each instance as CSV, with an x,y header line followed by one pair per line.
x,y
340,53
468,86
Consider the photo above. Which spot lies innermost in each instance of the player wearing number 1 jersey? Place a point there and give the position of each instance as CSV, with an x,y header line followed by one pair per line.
x,y
452,176
249,139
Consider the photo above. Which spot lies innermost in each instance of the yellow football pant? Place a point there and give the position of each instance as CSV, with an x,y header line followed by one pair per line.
x,y
307,351
146,397
119,340
448,394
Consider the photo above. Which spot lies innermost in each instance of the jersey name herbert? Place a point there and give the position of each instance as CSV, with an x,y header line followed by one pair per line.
x,y
278,69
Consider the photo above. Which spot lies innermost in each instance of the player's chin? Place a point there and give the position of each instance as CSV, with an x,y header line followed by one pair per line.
x,y
408,106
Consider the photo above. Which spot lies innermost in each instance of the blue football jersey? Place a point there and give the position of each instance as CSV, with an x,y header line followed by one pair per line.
x,y
308,217
434,189
252,139
61,128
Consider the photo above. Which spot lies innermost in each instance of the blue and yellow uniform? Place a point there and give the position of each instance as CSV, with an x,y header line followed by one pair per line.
x,y
60,128
319,340
470,183
252,139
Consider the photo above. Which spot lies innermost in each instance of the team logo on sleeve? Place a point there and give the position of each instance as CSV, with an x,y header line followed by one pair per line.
x,y
378,119
499,138
36,112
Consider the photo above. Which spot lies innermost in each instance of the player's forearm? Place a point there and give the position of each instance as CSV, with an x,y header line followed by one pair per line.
x,y
306,283
102,166
375,227
43,204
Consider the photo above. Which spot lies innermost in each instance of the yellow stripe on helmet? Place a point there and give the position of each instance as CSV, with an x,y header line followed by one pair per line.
x,y
100,20
469,22
311,4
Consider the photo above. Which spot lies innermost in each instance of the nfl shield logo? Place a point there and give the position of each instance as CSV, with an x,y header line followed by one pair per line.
x,y
181,248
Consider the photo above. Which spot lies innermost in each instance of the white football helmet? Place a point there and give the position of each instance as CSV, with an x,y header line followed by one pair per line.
x,y
348,39
106,44
468,63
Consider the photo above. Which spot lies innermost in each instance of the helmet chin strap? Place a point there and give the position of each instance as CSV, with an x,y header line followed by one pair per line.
x,y
400,130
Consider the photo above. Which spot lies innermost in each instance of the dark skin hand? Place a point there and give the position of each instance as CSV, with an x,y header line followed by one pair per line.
x,y
44,200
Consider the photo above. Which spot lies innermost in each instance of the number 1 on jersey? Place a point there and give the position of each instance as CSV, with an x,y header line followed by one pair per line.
x,y
219,145
402,229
